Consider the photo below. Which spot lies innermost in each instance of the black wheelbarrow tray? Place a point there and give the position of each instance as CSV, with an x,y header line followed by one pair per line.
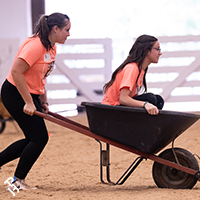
x,y
133,130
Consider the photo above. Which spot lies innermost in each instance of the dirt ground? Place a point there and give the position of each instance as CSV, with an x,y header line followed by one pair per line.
x,y
69,168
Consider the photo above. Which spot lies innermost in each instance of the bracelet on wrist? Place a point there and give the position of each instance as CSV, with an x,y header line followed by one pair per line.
x,y
45,103
145,104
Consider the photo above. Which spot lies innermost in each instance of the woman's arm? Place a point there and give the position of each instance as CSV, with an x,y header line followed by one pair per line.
x,y
45,105
126,100
17,72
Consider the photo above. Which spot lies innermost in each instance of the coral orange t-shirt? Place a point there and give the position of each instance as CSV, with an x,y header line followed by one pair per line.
x,y
126,78
41,63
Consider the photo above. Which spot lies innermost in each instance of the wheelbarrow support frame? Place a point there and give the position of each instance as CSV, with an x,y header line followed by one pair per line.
x,y
105,162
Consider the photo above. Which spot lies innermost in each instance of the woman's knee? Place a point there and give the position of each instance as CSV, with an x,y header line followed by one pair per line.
x,y
160,102
40,139
152,98
156,100
44,140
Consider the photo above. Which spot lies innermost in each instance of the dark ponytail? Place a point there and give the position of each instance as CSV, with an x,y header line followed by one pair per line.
x,y
45,25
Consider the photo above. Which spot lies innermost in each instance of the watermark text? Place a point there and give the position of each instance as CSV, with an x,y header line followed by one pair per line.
x,y
11,187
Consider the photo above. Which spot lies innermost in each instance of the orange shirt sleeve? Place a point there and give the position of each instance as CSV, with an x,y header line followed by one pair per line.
x,y
31,52
129,77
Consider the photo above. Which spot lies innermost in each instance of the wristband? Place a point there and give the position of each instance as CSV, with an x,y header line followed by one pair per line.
x,y
45,103
145,104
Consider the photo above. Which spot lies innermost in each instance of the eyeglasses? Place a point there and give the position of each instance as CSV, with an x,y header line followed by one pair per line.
x,y
158,49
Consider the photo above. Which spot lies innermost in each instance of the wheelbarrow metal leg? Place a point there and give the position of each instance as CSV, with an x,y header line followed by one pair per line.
x,y
130,170
105,162
101,164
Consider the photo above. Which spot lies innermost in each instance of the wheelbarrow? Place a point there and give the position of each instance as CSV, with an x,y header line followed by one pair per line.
x,y
4,117
133,130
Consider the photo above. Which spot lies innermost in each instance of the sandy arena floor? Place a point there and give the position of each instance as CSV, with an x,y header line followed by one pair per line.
x,y
68,168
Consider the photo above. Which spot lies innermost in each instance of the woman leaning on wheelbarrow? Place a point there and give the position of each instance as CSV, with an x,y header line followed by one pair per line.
x,y
23,92
128,80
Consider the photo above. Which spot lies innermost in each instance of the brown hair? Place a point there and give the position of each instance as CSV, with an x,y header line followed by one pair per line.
x,y
45,25
139,50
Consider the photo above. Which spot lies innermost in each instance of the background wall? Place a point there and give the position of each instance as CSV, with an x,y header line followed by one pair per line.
x,y
15,19
121,22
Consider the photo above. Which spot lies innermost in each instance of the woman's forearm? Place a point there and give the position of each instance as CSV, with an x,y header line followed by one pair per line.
x,y
43,98
126,100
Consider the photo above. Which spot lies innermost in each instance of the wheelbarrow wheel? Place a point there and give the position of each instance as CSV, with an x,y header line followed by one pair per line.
x,y
168,177
2,125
